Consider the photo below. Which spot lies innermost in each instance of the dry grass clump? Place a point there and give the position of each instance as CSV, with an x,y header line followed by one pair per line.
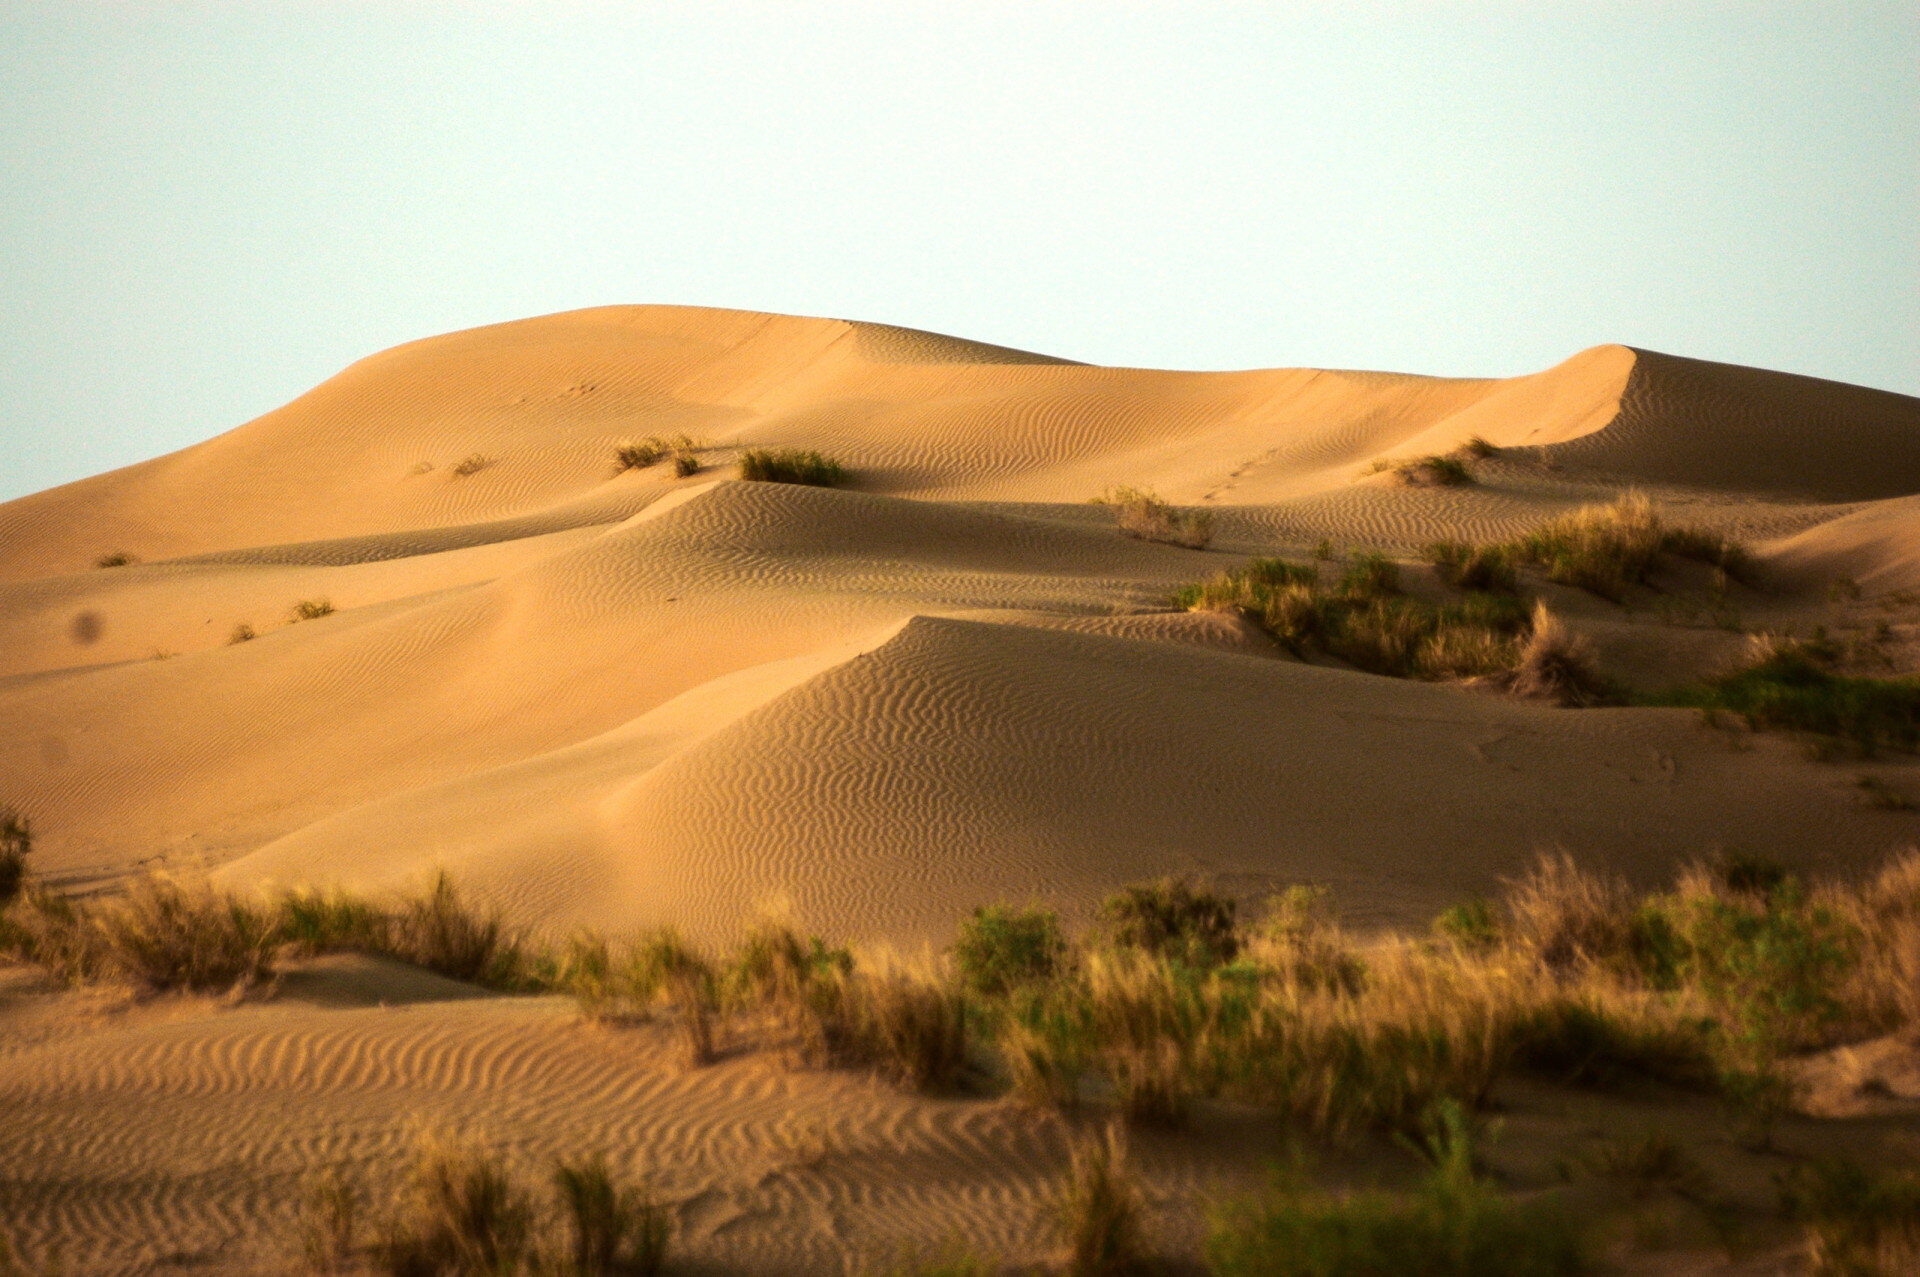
x,y
616,1230
1139,513
791,465
682,449
168,934
117,559
460,1214
1604,549
471,464
1099,1209
1434,472
1556,664
1487,568
242,633
309,610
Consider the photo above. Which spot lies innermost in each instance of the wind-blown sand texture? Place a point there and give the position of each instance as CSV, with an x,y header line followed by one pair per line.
x,y
620,698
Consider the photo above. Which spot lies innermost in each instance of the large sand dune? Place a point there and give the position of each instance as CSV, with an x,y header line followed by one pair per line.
x,y
618,699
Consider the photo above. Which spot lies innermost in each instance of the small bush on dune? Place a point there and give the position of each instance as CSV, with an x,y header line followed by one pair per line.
x,y
1431,472
471,464
309,610
1453,1224
1601,549
1479,448
1557,665
1169,919
440,932
791,465
1788,686
16,844
170,935
1486,568
118,559
1001,948
1139,513
638,456
1099,1209
242,633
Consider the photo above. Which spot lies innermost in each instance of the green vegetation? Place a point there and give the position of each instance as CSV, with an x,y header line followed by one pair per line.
x,y
791,465
1365,619
1488,569
1168,919
1139,513
1791,686
1001,948
309,610
1455,1223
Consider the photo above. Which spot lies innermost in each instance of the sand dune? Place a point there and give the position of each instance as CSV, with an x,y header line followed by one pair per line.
x,y
621,698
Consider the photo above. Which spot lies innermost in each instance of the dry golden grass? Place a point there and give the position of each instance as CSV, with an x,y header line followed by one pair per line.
x,y
1139,513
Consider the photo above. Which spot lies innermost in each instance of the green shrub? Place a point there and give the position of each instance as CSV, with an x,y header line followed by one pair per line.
x,y
1370,577
791,465
615,1230
1470,924
1001,948
1454,1223
1791,688
309,610
16,844
1169,919
1139,513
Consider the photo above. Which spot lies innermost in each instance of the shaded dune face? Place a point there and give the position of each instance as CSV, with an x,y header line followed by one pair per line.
x,y
621,698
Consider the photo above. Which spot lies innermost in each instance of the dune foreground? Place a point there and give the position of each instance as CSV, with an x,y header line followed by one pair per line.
x,y
619,697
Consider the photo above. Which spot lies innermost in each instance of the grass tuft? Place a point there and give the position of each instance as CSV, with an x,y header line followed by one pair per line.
x,y
1139,513
615,1230
309,610
117,559
471,464
1434,472
1556,664
168,935
791,465
1488,569
1099,1209
1859,1223
242,633
460,1214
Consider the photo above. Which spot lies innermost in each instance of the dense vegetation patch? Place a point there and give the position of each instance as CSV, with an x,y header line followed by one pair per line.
x,y
1139,513
791,465
1792,686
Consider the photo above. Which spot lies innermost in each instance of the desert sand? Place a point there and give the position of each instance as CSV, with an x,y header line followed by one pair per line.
x,y
619,698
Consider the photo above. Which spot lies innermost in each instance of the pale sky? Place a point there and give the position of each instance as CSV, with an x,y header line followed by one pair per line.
x,y
207,209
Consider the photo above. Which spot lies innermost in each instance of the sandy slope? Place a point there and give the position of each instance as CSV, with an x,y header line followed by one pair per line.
x,y
620,699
